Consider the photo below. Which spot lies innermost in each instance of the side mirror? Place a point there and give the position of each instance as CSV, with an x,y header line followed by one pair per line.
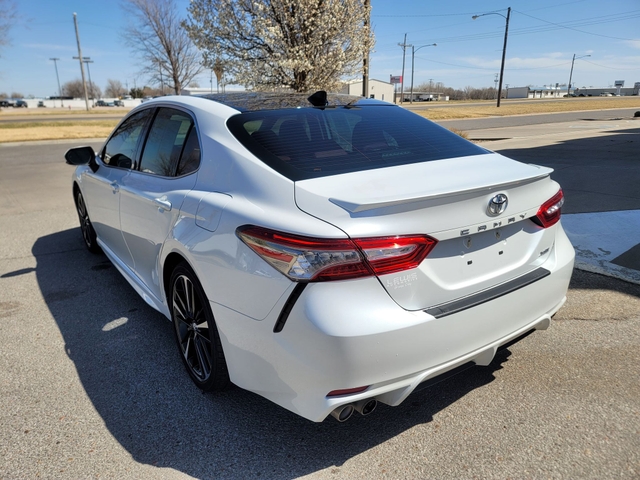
x,y
82,156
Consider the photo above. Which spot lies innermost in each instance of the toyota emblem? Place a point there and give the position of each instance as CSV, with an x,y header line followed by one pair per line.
x,y
497,205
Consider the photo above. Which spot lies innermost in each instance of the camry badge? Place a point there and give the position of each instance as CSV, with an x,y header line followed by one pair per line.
x,y
497,205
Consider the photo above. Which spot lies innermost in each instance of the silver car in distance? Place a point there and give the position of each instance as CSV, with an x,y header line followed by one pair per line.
x,y
326,252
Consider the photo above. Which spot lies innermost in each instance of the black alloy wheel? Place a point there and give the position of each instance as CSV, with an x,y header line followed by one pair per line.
x,y
196,332
88,233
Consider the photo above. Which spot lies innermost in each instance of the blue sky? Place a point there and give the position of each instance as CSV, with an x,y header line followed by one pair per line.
x,y
543,37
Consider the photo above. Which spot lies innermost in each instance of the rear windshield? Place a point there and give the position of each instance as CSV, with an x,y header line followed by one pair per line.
x,y
316,142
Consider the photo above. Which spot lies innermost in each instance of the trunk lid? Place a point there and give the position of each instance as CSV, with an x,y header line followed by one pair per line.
x,y
447,200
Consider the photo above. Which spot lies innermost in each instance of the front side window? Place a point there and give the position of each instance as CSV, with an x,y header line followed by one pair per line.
x,y
171,134
120,150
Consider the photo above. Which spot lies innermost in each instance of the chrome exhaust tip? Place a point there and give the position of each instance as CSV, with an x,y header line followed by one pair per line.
x,y
343,413
365,407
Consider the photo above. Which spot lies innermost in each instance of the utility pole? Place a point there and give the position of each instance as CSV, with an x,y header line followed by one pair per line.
x,y
365,60
55,63
404,46
495,81
84,82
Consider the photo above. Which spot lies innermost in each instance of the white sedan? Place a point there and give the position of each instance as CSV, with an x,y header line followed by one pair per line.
x,y
328,252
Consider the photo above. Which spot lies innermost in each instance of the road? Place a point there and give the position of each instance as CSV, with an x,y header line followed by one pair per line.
x,y
541,118
91,383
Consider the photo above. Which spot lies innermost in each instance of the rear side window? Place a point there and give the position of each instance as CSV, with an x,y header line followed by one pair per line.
x,y
170,134
315,142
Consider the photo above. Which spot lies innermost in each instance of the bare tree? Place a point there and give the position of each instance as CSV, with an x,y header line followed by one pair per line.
x,y
114,89
8,14
74,88
300,44
155,33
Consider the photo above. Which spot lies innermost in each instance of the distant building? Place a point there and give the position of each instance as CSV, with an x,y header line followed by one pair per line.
x,y
377,89
560,90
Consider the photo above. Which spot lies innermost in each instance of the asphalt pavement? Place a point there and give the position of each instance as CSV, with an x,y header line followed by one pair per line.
x,y
91,384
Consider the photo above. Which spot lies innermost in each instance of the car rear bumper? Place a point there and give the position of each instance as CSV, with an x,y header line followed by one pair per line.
x,y
342,335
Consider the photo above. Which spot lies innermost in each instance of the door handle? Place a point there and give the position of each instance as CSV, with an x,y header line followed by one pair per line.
x,y
163,204
115,187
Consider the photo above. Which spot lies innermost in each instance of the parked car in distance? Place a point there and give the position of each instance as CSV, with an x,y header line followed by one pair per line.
x,y
118,103
326,252
101,103
41,104
21,104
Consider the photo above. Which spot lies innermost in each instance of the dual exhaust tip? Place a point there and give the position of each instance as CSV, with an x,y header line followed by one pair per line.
x,y
363,407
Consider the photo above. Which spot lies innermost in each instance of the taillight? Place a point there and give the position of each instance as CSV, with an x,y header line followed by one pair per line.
x,y
321,259
550,211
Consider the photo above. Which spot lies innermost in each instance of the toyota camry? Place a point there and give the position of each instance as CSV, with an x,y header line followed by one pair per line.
x,y
326,252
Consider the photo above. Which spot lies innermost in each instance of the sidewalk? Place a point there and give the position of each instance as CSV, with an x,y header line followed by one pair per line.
x,y
598,165
607,242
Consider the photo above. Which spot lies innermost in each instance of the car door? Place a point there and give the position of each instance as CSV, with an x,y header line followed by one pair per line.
x,y
152,195
101,189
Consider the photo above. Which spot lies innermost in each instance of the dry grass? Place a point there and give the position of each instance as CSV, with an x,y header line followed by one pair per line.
x,y
459,132
40,129
30,131
40,112
453,111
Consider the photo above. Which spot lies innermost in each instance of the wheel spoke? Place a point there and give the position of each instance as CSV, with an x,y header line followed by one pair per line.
x,y
203,358
186,301
179,309
82,211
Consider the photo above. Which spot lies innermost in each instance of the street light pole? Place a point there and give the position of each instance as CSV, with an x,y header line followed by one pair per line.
x,y
571,73
404,46
55,63
413,53
504,48
87,60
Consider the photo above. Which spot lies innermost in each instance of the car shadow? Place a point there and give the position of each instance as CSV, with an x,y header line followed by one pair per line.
x,y
597,174
126,358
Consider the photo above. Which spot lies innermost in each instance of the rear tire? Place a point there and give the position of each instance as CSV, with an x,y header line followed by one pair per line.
x,y
196,332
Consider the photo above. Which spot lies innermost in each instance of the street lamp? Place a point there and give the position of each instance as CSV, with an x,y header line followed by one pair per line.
x,y
413,53
404,46
55,63
87,60
571,73
504,49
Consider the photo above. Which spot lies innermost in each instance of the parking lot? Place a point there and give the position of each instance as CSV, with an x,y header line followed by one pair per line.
x,y
92,385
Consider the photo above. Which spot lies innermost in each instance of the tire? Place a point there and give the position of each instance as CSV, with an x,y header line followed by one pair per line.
x,y
196,332
88,233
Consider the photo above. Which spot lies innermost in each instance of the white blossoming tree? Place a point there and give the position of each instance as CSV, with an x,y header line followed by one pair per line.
x,y
299,44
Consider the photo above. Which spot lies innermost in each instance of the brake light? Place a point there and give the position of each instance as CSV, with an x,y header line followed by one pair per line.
x,y
322,259
550,211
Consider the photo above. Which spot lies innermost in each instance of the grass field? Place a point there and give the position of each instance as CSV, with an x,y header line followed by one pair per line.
x,y
459,111
36,130
41,129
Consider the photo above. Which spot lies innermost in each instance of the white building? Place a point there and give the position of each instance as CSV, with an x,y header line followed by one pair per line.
x,y
377,89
